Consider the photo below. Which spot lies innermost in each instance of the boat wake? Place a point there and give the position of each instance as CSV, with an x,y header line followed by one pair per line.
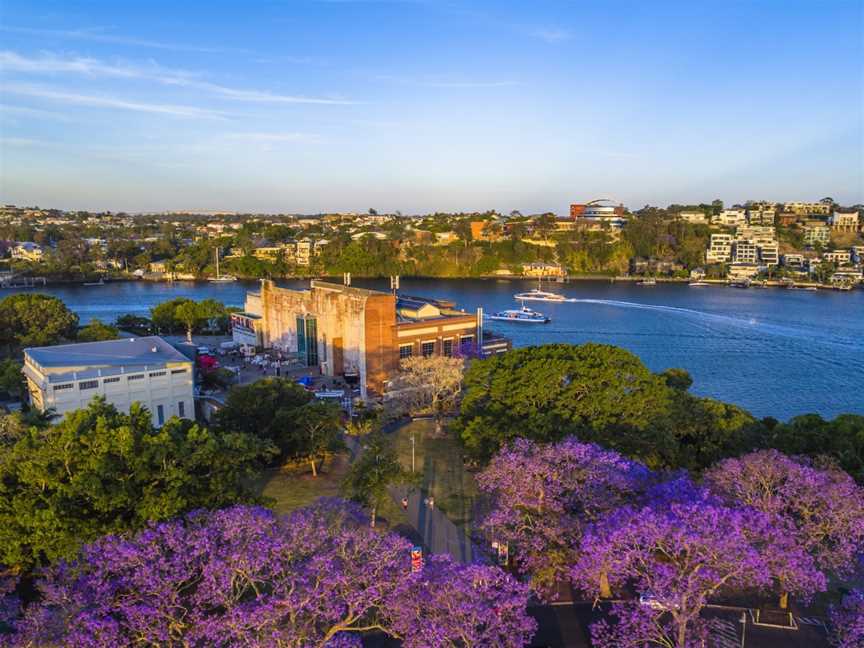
x,y
750,324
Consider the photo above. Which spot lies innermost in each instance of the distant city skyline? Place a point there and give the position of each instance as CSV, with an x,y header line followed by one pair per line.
x,y
419,106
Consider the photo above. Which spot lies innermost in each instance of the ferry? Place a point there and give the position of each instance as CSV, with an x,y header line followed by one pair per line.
x,y
523,314
538,294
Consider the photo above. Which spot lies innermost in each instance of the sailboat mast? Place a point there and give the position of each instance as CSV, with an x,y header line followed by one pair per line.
x,y
217,262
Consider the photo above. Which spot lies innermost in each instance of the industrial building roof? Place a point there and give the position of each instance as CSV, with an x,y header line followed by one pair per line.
x,y
111,357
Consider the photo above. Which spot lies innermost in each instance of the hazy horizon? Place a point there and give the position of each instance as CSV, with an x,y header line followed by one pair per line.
x,y
421,106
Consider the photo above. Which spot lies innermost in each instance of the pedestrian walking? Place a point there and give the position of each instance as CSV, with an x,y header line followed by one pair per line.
x,y
404,503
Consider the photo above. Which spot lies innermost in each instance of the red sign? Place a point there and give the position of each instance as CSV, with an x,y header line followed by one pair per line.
x,y
416,559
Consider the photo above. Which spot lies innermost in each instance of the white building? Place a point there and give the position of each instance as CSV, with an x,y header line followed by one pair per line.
x,y
793,260
695,217
817,232
840,257
146,370
761,217
844,222
730,218
745,252
720,249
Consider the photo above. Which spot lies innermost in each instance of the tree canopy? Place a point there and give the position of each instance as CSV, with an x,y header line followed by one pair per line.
x,y
243,576
376,469
101,471
281,411
35,320
597,392
96,331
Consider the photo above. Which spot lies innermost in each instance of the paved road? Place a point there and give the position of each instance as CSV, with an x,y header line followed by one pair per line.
x,y
439,535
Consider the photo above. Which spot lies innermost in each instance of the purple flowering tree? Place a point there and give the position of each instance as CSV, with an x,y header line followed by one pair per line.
x,y
847,621
544,495
462,605
677,552
823,507
243,576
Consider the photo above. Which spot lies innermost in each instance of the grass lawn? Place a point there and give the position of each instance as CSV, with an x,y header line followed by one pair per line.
x,y
439,460
294,487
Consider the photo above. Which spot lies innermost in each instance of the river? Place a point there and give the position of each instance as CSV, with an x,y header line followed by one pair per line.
x,y
774,352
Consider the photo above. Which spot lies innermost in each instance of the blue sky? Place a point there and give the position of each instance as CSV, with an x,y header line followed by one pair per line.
x,y
308,106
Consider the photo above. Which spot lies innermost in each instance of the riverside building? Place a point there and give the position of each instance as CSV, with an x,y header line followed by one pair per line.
x,y
146,370
342,330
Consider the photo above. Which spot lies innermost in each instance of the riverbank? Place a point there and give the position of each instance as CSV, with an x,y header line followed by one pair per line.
x,y
626,279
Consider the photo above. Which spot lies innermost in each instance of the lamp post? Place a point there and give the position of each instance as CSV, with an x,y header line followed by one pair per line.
x,y
412,451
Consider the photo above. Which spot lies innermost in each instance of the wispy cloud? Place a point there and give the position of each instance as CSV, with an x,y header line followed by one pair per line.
x,y
52,64
552,34
446,83
98,35
98,101
27,111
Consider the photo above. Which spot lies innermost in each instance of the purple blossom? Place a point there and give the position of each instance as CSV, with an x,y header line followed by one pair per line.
x,y
824,507
544,495
847,621
244,576
683,553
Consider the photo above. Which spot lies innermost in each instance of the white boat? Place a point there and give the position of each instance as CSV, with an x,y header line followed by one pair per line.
x,y
650,281
538,294
220,278
523,314
698,284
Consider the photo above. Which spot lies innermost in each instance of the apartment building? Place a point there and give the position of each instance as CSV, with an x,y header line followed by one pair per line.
x,y
808,208
730,218
844,222
761,217
146,370
840,257
745,252
719,249
793,260
816,232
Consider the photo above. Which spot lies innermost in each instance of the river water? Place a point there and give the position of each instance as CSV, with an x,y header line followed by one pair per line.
x,y
774,352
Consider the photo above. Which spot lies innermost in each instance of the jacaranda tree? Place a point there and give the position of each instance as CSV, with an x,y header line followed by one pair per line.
x,y
823,507
847,621
543,496
244,576
681,549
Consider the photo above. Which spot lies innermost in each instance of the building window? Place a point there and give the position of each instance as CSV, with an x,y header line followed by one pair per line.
x,y
88,384
181,409
448,348
111,380
62,387
135,377
406,351
427,349
174,372
156,374
466,344
160,414
307,340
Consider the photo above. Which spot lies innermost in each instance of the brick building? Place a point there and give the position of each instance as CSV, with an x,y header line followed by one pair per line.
x,y
343,330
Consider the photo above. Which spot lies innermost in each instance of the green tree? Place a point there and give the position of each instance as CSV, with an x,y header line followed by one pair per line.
x,y
598,392
35,320
840,440
96,331
376,469
677,378
281,411
11,378
100,471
